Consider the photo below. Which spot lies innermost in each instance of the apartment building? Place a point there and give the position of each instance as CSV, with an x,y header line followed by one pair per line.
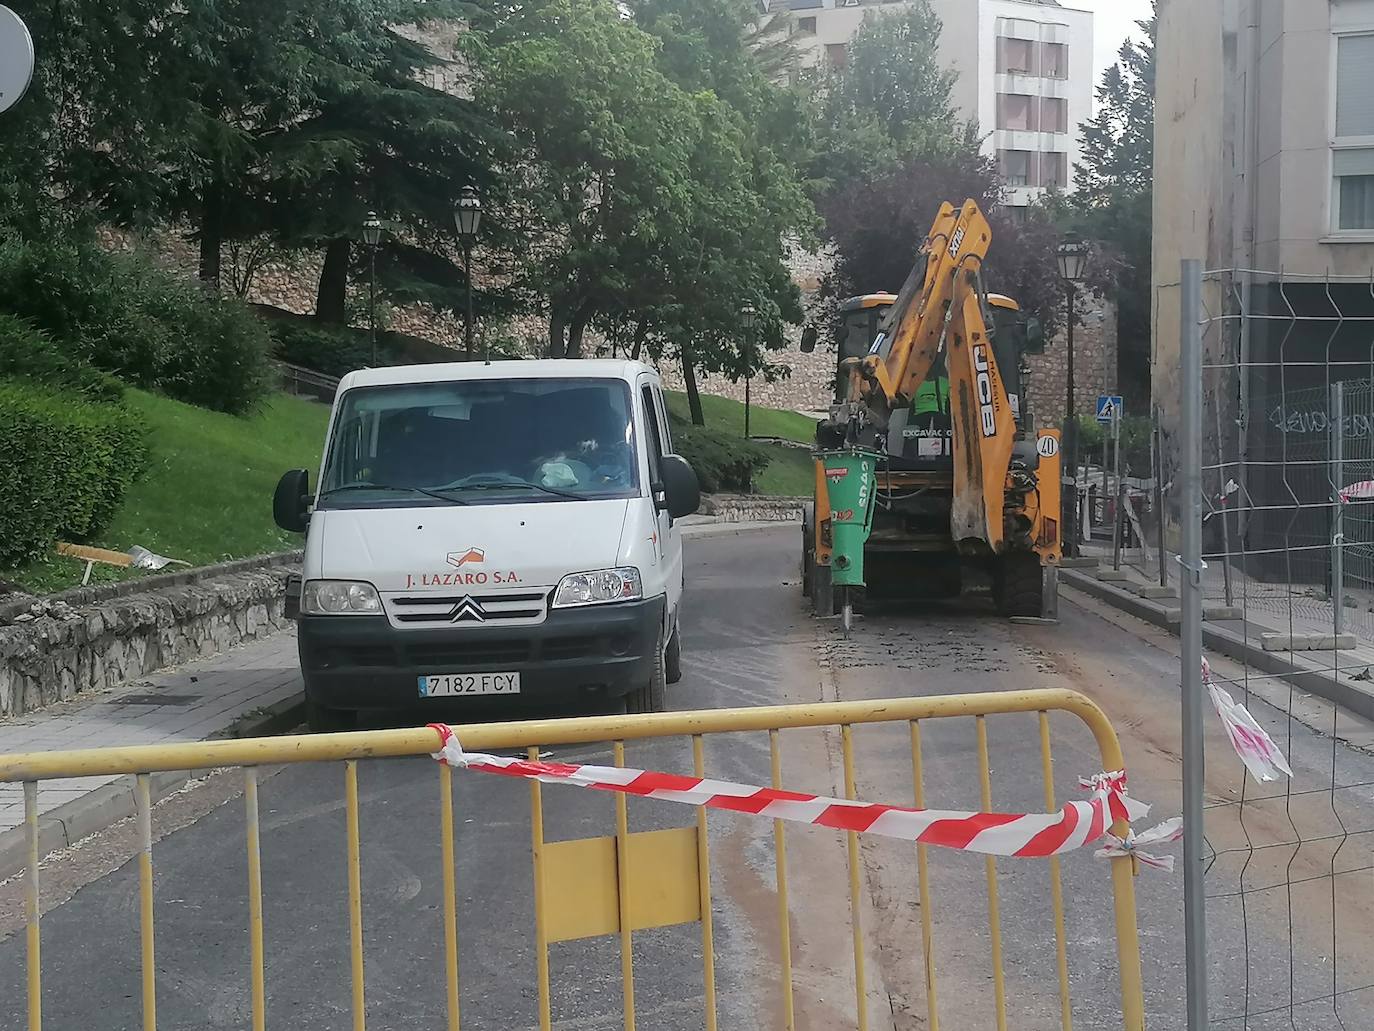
x,y
1025,74
1264,161
1264,170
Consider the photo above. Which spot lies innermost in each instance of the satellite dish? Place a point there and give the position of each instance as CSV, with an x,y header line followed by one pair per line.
x,y
16,59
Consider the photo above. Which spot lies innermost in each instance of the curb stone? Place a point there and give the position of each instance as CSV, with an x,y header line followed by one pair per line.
x,y
106,805
1310,678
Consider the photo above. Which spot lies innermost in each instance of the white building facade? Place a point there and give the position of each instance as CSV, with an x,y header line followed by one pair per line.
x,y
1025,74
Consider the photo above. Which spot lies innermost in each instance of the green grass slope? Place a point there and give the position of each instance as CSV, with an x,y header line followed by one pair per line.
x,y
207,493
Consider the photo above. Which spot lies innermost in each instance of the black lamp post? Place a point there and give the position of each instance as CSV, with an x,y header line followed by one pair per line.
x,y
468,218
1072,254
372,236
748,316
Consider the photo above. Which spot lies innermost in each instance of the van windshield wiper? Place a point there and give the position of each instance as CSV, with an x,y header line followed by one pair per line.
x,y
449,498
521,484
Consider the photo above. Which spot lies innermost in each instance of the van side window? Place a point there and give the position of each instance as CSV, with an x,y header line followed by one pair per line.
x,y
664,424
656,449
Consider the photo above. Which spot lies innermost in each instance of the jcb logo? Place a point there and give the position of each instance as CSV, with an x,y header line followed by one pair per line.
x,y
957,243
982,374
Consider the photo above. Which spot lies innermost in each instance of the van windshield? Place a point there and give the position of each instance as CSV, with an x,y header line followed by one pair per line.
x,y
481,442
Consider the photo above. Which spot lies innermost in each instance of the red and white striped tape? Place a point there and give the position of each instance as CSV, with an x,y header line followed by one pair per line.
x,y
1362,491
1025,835
1252,743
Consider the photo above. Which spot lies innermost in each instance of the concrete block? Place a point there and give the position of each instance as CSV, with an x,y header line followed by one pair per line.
x,y
1306,642
1113,575
1155,592
1220,613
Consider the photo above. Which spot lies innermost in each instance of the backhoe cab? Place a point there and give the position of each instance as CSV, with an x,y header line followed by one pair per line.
x,y
931,383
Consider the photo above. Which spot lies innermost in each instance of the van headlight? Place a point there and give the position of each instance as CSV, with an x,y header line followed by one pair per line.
x,y
598,587
339,598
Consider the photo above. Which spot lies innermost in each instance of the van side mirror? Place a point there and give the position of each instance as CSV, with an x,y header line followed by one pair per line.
x,y
808,339
1035,336
291,502
681,492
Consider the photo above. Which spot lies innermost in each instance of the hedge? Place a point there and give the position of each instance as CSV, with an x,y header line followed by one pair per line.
x,y
120,314
68,463
27,353
723,463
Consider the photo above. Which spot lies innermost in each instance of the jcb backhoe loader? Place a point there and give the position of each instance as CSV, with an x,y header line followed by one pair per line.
x,y
929,466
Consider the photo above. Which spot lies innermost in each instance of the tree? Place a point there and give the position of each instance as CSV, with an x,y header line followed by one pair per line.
x,y
307,116
892,149
878,227
890,102
97,92
653,191
601,143
1114,196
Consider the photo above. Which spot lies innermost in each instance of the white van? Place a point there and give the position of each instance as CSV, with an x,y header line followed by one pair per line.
x,y
491,530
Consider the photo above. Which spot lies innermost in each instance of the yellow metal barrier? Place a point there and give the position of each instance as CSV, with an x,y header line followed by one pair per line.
x,y
615,885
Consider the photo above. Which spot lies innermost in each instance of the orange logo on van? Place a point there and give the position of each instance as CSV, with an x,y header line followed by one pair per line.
x,y
472,556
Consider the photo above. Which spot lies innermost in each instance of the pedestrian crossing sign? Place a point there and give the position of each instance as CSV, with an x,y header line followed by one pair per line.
x,y
1109,407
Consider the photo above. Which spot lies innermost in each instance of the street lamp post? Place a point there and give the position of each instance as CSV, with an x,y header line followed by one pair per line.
x,y
372,236
468,218
1072,255
748,316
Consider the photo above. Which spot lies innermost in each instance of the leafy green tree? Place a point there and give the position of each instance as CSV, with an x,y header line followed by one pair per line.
x,y
653,184
892,148
602,142
1113,199
892,101
97,92
307,117
747,195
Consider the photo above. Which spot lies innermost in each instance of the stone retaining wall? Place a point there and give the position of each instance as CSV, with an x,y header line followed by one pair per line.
x,y
55,649
742,508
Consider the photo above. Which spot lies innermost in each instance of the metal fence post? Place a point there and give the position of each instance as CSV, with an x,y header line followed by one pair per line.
x,y
1120,507
1190,516
1158,441
1337,423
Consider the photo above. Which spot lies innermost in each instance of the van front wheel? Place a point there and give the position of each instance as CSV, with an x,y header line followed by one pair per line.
x,y
672,659
653,696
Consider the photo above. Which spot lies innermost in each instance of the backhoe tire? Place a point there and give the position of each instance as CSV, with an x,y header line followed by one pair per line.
x,y
1019,585
822,591
808,554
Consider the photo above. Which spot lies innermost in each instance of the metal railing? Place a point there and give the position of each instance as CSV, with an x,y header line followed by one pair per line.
x,y
303,382
594,887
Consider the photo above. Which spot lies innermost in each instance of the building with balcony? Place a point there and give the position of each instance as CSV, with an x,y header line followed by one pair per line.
x,y
1025,74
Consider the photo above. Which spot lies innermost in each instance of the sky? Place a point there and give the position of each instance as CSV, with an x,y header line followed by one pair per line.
x,y
1113,21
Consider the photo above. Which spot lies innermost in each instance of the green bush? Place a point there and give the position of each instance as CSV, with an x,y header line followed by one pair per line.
x,y
120,314
68,464
330,351
1136,443
723,463
26,353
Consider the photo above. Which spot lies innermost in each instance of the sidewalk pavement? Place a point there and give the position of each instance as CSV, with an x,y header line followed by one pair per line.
x,y
249,691
252,689
1239,633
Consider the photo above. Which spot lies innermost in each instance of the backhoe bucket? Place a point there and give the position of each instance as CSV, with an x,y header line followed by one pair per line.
x,y
850,480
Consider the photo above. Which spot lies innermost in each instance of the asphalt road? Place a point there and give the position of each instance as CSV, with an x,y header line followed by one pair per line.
x,y
749,641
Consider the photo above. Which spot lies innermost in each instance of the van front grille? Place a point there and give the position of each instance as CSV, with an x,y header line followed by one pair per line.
x,y
467,610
